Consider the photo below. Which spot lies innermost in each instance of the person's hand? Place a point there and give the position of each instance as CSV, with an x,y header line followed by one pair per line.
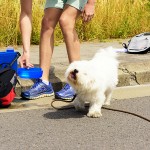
x,y
88,12
24,61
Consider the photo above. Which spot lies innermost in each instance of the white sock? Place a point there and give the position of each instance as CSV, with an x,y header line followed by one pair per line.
x,y
45,82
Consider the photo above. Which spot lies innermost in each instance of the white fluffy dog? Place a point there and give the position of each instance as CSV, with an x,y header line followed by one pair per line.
x,y
94,80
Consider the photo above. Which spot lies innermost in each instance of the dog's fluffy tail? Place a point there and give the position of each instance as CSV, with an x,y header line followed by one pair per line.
x,y
106,52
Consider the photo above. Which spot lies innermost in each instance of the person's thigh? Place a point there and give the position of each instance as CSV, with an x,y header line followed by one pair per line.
x,y
51,16
52,12
69,15
72,9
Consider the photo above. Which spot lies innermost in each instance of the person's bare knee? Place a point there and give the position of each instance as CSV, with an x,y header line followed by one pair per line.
x,y
66,26
46,26
68,18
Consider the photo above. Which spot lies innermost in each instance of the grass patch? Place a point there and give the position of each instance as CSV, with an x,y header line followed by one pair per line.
x,y
113,19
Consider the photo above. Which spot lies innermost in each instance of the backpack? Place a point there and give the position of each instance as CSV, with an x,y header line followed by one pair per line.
x,y
8,80
139,44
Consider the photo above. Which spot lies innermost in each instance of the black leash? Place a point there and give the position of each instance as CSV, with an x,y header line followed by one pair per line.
x,y
66,101
87,105
127,112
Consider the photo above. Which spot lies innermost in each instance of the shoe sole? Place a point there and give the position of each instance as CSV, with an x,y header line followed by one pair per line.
x,y
56,97
40,96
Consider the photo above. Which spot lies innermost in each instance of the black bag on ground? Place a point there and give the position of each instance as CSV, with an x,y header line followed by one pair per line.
x,y
139,44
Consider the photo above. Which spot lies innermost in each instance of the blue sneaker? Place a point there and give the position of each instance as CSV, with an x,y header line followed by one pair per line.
x,y
65,93
38,90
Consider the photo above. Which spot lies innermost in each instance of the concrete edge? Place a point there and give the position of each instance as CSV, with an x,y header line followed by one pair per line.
x,y
128,92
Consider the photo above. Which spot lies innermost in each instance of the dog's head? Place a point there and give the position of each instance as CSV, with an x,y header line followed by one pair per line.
x,y
79,76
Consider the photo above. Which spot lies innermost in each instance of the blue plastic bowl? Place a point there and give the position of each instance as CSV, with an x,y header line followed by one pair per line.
x,y
31,73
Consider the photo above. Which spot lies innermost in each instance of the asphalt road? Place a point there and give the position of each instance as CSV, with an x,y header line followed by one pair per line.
x,y
49,129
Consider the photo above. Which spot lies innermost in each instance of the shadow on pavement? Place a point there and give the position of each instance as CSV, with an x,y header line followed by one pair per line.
x,y
65,114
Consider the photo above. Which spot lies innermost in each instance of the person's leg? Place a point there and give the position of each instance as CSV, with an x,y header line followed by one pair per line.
x,y
25,28
71,12
42,87
68,29
50,19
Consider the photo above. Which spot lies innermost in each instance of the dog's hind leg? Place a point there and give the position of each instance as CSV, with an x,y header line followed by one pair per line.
x,y
79,105
108,95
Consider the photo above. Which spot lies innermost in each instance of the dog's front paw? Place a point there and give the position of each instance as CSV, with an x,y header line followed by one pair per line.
x,y
95,114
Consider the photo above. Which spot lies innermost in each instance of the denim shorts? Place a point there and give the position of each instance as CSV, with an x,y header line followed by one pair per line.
x,y
78,4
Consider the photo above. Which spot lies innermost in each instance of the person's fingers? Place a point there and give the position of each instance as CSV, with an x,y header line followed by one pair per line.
x,y
25,64
89,18
85,17
29,65
82,14
21,65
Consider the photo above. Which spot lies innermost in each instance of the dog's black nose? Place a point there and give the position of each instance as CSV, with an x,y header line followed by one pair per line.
x,y
75,71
